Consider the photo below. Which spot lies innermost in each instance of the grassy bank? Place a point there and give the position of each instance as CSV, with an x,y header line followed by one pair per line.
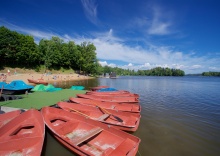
x,y
40,99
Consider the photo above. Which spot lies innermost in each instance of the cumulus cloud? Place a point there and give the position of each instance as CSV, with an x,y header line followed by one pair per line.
x,y
130,64
103,63
112,65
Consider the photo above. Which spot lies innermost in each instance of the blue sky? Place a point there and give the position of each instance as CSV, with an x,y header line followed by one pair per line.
x,y
140,34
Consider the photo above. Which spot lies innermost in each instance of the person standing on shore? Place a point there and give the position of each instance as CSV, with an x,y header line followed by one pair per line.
x,y
4,78
8,72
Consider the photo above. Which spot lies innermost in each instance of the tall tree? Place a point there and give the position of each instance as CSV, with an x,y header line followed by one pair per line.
x,y
55,45
44,48
74,55
27,51
87,57
9,42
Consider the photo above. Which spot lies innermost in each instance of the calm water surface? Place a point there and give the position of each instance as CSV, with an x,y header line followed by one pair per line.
x,y
180,115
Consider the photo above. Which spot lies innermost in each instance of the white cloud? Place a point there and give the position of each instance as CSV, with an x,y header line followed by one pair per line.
x,y
90,10
147,65
37,34
160,23
214,68
111,48
103,63
196,66
112,65
130,64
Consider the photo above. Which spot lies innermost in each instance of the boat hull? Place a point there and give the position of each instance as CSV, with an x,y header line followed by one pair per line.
x,y
115,94
130,121
37,81
16,87
87,137
24,135
124,107
15,91
109,98
99,87
6,117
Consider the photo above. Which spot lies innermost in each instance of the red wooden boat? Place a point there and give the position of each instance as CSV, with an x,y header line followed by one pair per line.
x,y
133,108
24,135
110,92
115,93
88,137
39,81
109,98
6,117
99,87
120,120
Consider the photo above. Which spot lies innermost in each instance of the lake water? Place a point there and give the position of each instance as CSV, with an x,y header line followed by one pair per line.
x,y
180,115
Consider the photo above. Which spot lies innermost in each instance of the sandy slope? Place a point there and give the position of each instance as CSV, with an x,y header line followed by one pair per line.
x,y
48,78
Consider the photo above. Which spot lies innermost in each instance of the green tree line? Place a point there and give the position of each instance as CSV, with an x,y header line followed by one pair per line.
x,y
158,71
19,50
211,73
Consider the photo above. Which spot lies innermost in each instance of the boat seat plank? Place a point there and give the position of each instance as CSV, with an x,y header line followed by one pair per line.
x,y
103,117
89,134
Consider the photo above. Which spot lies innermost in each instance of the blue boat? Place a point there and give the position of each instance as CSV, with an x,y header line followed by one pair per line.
x,y
2,84
15,87
107,90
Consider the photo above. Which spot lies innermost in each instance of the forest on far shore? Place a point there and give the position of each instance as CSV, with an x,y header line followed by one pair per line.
x,y
19,50
211,73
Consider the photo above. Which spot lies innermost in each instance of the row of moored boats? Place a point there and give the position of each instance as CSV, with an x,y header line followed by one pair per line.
x,y
94,123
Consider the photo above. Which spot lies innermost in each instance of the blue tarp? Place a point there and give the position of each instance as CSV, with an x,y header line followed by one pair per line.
x,y
107,90
17,85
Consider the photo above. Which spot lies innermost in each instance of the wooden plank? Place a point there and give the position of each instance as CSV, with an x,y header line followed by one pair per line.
x,y
104,116
89,134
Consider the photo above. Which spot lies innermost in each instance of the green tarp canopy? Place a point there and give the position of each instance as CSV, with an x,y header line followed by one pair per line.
x,y
77,87
48,88
39,87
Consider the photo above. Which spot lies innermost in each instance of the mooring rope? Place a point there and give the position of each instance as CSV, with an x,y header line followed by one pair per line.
x,y
139,153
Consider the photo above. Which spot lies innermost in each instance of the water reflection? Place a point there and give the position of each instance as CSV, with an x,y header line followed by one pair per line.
x,y
86,83
180,115
53,147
